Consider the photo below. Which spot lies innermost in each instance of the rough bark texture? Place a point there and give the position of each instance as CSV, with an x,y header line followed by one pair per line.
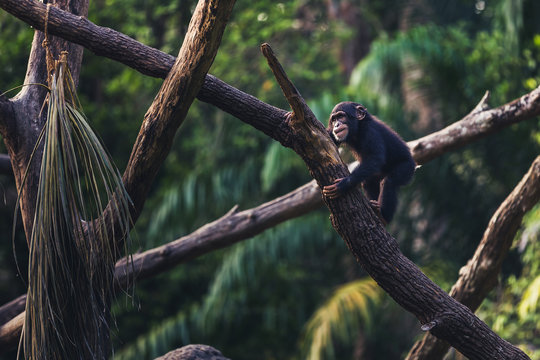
x,y
21,128
12,309
479,276
231,228
193,352
175,97
10,332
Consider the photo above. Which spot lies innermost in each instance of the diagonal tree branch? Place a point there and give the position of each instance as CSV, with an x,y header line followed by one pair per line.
x,y
175,97
479,276
477,124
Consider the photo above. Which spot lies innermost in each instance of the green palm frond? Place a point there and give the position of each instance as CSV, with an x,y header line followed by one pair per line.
x,y
73,244
376,80
340,319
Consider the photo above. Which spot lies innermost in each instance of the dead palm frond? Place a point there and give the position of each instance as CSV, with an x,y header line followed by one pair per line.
x,y
73,244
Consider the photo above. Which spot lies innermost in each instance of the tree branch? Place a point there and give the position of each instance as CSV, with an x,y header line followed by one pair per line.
x,y
479,276
117,46
477,124
100,40
174,99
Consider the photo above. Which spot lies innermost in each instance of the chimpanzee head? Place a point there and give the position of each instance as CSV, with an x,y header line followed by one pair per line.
x,y
344,120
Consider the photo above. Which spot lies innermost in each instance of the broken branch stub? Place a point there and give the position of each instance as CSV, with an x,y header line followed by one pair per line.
x,y
313,142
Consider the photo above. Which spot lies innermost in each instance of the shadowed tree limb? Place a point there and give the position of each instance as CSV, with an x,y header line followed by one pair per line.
x,y
479,276
193,352
6,113
175,97
162,119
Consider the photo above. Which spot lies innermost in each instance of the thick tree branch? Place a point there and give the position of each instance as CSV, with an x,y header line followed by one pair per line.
x,y
229,229
479,276
117,46
100,40
12,309
175,97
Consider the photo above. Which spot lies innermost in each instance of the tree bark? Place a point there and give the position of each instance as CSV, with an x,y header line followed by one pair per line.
x,y
175,97
479,276
20,129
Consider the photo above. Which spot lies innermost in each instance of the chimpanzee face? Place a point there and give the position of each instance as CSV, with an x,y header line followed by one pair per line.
x,y
344,120
340,127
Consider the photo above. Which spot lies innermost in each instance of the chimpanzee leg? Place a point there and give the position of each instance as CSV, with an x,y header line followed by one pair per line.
x,y
388,199
399,176
372,187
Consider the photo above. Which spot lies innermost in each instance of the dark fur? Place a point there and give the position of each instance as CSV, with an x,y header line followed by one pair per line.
x,y
386,162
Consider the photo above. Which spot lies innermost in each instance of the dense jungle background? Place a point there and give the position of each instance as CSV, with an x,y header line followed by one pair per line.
x,y
295,291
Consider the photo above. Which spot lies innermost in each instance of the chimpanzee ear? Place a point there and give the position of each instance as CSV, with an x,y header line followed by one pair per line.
x,y
361,112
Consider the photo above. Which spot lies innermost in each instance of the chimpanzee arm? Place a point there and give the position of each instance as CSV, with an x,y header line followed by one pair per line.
x,y
373,159
372,162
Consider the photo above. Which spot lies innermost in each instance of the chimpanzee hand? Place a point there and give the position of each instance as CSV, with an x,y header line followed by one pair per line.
x,y
338,188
